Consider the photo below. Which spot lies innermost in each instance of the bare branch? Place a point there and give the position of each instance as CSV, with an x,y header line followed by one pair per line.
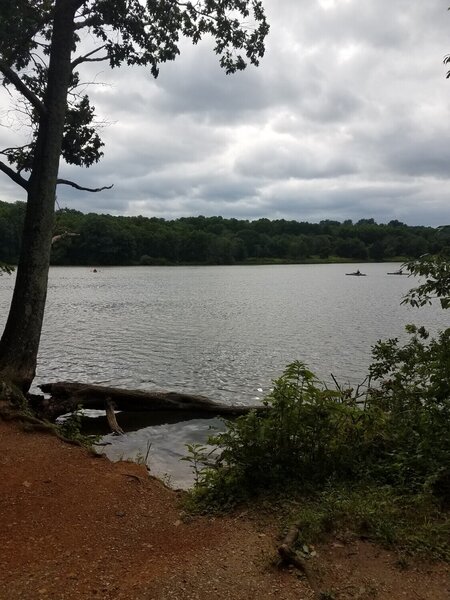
x,y
22,88
99,59
87,57
61,236
6,151
80,187
14,175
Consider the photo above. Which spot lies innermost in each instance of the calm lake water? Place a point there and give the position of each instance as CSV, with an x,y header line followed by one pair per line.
x,y
224,332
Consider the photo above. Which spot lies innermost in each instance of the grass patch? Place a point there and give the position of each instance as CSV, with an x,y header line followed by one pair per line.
x,y
410,524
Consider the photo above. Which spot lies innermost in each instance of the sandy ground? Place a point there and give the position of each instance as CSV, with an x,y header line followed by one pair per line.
x,y
74,526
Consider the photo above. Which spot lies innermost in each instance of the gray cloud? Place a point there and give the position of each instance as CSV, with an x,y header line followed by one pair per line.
x,y
346,117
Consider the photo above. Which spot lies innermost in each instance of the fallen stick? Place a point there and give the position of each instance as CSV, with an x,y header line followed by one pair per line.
x,y
111,417
286,551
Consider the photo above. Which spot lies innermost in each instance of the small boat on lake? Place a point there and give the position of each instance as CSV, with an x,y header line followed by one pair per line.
x,y
399,272
357,274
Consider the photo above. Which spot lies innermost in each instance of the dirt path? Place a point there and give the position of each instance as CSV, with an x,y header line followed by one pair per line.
x,y
78,527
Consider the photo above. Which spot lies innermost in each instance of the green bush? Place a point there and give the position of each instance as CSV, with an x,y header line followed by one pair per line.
x,y
308,436
414,393
396,433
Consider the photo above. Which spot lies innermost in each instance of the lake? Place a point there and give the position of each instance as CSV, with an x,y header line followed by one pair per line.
x,y
223,331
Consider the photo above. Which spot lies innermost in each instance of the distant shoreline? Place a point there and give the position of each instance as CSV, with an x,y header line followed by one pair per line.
x,y
247,263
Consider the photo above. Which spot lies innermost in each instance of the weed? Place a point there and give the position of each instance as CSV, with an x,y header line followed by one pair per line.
x,y
198,457
408,523
142,459
71,429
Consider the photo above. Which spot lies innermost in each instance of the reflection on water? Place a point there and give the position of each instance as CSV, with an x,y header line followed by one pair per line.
x,y
223,332
166,446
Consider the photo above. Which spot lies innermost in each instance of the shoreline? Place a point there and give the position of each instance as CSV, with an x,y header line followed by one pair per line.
x,y
79,526
247,263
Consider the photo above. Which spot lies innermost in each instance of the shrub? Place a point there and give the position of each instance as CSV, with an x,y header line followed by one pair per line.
x,y
414,394
397,433
308,436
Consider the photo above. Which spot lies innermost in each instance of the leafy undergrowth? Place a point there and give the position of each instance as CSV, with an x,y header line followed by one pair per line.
x,y
374,462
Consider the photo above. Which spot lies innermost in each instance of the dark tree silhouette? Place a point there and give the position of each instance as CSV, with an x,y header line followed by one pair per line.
x,y
40,52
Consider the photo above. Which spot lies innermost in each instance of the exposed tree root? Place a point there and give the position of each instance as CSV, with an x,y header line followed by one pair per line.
x,y
31,423
11,396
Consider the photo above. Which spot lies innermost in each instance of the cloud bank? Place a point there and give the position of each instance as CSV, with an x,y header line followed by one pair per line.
x,y
346,117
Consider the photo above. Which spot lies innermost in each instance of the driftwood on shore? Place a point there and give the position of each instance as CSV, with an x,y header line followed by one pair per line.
x,y
286,549
66,397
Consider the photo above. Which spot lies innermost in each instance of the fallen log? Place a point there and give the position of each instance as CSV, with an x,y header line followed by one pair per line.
x,y
67,397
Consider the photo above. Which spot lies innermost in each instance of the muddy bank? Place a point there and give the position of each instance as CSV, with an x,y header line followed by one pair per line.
x,y
78,527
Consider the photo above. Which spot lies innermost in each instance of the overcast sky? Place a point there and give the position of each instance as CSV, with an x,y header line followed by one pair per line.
x,y
347,117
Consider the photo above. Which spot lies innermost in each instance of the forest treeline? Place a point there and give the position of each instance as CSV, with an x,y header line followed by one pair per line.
x,y
116,240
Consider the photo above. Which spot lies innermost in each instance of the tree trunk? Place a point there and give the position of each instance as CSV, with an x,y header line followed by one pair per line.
x,y
20,341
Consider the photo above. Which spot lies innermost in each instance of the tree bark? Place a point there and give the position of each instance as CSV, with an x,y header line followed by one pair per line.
x,y
20,341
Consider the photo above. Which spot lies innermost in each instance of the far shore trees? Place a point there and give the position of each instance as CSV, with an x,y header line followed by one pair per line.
x,y
118,240
41,49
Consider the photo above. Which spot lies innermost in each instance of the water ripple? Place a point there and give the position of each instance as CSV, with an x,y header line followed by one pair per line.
x,y
225,332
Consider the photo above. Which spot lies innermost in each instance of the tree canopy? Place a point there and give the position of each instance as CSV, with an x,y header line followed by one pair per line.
x,y
128,32
118,240
435,268
43,44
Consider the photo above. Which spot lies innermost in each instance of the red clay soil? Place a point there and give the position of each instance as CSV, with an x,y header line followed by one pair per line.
x,y
74,526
